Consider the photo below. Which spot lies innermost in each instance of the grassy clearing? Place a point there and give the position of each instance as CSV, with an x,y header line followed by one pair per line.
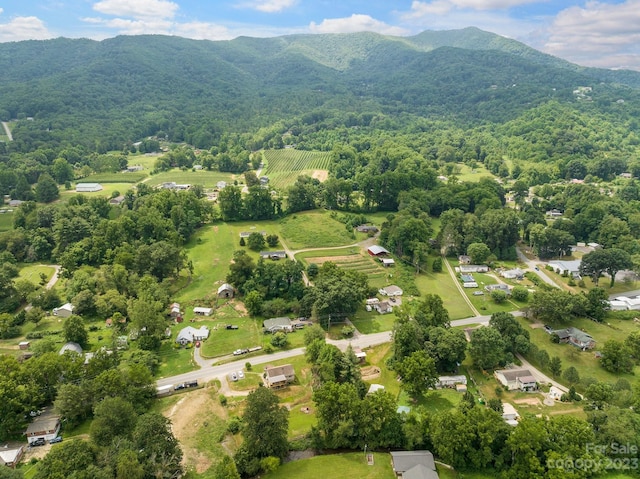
x,y
106,191
32,272
120,177
585,362
468,174
372,322
210,250
314,229
442,285
207,179
6,221
337,466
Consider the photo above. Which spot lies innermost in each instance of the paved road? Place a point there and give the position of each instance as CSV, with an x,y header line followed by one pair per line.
x,y
534,267
209,370
541,377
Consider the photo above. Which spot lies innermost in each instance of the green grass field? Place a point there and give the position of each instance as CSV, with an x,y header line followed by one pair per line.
x,y
314,229
337,466
208,179
119,177
585,362
6,221
467,174
442,285
31,272
106,191
284,166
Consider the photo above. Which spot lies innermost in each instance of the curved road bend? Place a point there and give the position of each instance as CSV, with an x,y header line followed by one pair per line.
x,y
532,265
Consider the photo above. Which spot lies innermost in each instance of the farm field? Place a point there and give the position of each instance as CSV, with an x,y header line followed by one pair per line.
x,y
106,191
6,221
119,177
284,166
208,179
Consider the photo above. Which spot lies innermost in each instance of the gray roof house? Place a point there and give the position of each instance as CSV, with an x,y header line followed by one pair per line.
x,y
575,337
279,376
64,311
190,334
274,325
414,464
520,379
46,427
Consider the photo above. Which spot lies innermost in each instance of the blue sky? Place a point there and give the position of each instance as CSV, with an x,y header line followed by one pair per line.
x,y
602,33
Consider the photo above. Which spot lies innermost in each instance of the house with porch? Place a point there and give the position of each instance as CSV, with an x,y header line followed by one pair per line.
x,y
190,334
46,426
277,377
516,379
575,337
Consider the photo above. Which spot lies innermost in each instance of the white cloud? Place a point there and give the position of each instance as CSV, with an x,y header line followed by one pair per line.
x,y
1,10
355,23
24,28
598,34
269,6
203,31
441,7
137,8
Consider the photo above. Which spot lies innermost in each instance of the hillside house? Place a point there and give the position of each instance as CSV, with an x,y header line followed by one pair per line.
x,y
575,337
516,379
88,187
64,311
554,213
46,426
190,334
413,464
274,325
277,377
225,291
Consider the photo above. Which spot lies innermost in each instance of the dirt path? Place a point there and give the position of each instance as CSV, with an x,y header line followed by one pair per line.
x,y
5,125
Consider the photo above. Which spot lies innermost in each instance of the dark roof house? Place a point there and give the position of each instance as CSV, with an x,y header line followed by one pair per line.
x,y
279,376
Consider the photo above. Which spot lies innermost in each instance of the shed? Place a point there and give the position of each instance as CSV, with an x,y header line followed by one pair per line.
x,y
88,187
374,388
202,311
174,310
118,200
24,345
274,255
451,381
367,229
377,250
509,414
225,291
386,262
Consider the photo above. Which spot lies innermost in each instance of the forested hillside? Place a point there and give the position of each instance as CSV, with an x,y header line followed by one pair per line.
x,y
102,95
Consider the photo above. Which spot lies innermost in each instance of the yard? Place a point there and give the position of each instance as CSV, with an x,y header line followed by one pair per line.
x,y
314,229
32,272
208,179
6,220
442,285
337,466
585,362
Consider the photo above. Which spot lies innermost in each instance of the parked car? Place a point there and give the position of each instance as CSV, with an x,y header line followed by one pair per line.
x,y
240,375
239,352
178,387
548,328
197,344
478,293
38,442
231,326
55,440
234,377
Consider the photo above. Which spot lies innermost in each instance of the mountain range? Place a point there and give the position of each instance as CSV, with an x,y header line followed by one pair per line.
x,y
130,86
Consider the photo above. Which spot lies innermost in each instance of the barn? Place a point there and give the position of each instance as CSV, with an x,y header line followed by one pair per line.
x,y
88,187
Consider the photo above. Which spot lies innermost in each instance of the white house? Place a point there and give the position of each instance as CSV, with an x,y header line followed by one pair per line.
x,y
383,307
391,290
515,273
632,303
88,187
571,268
190,334
451,381
11,457
375,388
554,393
64,311
473,268
46,427
202,311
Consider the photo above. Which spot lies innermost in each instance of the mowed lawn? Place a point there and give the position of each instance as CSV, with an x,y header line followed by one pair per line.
x,y
32,272
314,229
585,361
6,221
442,285
337,466
106,192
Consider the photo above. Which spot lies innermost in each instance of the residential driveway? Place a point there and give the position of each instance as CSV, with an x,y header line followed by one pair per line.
x,y
533,266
